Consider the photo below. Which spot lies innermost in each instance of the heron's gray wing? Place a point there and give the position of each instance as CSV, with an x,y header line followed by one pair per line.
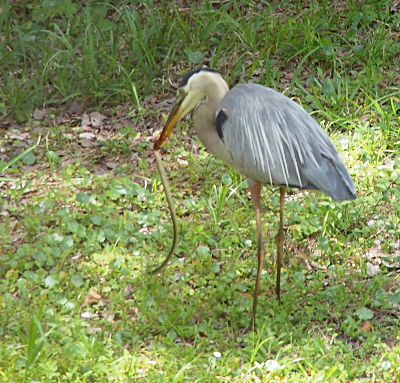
x,y
274,140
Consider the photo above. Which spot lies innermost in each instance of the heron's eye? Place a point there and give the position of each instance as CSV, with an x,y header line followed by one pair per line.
x,y
181,91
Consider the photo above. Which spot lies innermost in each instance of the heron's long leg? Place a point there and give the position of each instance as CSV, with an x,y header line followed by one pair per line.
x,y
279,243
255,192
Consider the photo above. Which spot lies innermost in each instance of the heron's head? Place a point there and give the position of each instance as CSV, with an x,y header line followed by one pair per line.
x,y
192,89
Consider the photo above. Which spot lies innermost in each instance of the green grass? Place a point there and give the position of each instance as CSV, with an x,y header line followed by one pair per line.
x,y
82,221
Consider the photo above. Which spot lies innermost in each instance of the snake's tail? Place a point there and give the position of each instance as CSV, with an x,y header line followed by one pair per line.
x,y
172,210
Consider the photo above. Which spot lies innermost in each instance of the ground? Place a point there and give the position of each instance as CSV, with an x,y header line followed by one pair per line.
x,y
85,90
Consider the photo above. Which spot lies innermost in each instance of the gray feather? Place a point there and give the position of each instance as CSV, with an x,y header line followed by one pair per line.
x,y
272,139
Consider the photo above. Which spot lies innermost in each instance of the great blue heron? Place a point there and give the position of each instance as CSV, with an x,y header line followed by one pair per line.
x,y
265,136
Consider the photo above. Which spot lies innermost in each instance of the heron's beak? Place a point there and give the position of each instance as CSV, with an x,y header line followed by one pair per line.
x,y
173,119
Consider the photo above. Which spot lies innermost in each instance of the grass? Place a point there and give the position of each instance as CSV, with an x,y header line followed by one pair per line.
x,y
83,214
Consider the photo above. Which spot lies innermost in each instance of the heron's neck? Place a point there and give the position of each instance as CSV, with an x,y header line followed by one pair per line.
x,y
216,92
205,114
204,119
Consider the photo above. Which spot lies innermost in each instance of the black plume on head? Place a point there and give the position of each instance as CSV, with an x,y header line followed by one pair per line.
x,y
187,76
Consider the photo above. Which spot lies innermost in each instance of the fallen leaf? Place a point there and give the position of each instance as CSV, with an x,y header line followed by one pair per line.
x,y
112,165
17,135
86,143
96,119
85,120
87,135
372,269
366,326
92,297
40,114
127,122
76,107
289,76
